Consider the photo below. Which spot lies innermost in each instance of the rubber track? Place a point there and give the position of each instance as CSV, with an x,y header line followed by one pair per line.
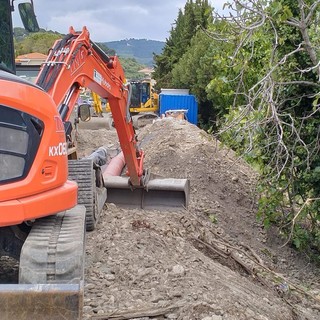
x,y
82,172
54,250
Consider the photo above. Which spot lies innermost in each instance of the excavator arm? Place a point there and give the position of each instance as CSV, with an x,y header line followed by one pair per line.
x,y
75,62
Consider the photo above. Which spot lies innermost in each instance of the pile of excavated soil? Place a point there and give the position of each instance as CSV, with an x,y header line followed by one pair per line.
x,y
211,261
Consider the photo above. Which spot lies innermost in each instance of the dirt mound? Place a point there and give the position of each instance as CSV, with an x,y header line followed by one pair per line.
x,y
212,261
221,184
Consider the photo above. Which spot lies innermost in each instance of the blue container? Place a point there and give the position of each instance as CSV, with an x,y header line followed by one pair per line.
x,y
180,102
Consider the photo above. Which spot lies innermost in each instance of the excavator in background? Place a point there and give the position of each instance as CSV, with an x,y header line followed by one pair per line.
x,y
144,105
49,197
143,98
144,102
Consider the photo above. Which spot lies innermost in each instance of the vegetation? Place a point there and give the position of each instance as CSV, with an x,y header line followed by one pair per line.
x,y
256,76
39,42
131,68
181,62
42,41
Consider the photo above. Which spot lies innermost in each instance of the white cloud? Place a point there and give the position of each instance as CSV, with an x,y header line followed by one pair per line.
x,y
112,20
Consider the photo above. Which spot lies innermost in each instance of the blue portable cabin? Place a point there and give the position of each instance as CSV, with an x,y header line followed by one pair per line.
x,y
180,102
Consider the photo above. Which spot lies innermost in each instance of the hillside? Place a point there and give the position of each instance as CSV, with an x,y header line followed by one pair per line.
x,y
140,49
41,42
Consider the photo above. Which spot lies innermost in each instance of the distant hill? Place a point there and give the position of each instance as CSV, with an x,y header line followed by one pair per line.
x,y
140,49
42,41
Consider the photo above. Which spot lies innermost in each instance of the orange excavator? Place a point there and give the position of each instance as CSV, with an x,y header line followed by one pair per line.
x,y
49,197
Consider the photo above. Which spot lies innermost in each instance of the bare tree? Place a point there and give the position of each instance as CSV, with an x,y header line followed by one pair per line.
x,y
268,107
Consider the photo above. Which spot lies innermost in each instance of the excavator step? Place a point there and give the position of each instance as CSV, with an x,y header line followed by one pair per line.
x,y
51,272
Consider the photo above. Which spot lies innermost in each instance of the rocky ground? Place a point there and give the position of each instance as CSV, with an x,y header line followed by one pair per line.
x,y
211,261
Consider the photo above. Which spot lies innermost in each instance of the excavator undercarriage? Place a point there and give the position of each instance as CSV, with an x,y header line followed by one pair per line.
x,y
51,259
51,271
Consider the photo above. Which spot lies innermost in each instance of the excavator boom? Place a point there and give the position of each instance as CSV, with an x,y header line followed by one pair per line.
x,y
76,62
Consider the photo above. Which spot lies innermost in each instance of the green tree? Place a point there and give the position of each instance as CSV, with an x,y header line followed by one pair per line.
x,y
131,68
106,49
275,118
196,68
37,42
194,16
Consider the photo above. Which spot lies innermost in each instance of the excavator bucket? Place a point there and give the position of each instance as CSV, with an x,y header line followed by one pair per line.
x,y
155,193
41,301
159,193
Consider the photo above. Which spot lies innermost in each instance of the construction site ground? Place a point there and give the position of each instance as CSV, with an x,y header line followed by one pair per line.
x,y
212,261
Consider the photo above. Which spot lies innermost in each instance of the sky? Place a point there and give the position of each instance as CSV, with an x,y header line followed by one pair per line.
x,y
110,20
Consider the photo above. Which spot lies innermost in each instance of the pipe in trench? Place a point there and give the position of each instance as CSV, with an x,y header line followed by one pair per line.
x,y
115,166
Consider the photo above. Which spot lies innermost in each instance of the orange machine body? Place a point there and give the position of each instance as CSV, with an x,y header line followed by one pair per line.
x,y
72,63
45,189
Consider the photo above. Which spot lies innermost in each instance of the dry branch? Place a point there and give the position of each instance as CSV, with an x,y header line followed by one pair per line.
x,y
125,315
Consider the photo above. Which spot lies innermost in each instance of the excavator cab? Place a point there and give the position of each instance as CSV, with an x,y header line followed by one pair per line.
x,y
144,103
143,97
141,93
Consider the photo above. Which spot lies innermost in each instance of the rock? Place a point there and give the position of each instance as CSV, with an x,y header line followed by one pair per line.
x,y
94,304
87,309
235,179
176,294
171,316
156,299
90,286
178,270
110,277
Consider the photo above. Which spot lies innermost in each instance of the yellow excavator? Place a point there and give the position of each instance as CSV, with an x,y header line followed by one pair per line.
x,y
144,103
143,97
